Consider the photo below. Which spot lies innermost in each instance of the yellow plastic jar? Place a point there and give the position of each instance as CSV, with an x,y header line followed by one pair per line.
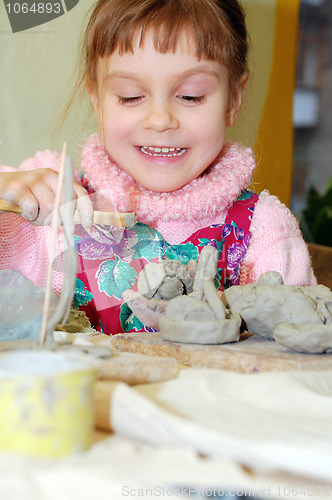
x,y
46,405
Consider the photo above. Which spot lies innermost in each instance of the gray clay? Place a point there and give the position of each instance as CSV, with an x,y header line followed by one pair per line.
x,y
178,269
314,339
170,287
200,332
264,307
322,296
165,280
188,308
281,312
297,317
150,279
200,317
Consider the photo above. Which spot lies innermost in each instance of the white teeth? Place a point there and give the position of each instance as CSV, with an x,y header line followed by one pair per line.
x,y
155,151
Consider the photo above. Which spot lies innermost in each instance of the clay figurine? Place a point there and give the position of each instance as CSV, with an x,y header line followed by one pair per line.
x,y
299,317
189,310
165,280
200,317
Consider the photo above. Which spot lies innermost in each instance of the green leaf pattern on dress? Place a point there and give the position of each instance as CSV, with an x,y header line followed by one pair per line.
x,y
128,320
81,296
115,276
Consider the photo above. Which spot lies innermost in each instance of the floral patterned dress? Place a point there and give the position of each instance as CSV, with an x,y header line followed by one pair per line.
x,y
109,262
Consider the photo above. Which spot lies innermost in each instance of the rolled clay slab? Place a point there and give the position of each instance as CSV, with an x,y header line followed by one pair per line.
x,y
194,332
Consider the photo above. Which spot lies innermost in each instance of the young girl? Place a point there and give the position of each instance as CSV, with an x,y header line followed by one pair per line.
x,y
166,79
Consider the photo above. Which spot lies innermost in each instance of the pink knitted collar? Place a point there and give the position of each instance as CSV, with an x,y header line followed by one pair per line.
x,y
203,198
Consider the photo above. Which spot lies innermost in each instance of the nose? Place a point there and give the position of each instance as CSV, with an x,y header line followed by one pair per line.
x,y
160,117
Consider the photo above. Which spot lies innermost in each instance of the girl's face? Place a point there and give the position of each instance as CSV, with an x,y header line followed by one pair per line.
x,y
164,116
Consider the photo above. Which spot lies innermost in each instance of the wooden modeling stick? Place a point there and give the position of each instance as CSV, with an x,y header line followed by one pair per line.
x,y
54,232
6,206
103,218
69,219
110,218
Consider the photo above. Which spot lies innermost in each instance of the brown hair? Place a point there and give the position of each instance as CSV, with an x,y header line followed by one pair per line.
x,y
217,28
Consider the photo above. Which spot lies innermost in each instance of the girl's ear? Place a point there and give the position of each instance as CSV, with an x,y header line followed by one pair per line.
x,y
236,100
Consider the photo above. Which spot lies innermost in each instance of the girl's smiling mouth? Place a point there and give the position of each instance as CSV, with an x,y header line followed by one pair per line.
x,y
167,152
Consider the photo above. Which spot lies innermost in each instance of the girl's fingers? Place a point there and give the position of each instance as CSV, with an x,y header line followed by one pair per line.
x,y
43,188
30,207
192,268
34,192
46,196
84,206
147,311
18,193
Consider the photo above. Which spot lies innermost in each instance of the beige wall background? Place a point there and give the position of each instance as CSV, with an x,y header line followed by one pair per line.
x,y
37,64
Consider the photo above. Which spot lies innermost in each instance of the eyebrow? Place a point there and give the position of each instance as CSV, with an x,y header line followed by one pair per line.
x,y
186,74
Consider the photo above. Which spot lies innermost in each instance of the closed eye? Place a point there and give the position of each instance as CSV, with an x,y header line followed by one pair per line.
x,y
192,99
130,100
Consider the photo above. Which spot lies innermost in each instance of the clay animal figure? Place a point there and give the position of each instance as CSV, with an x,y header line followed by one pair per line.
x,y
201,317
165,280
295,316
298,317
157,284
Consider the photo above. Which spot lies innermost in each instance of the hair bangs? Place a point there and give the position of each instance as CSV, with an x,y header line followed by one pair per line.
x,y
207,24
214,29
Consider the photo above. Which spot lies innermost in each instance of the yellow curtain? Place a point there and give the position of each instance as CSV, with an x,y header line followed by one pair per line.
x,y
274,143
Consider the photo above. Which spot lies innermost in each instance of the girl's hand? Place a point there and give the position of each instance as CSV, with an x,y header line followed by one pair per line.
x,y
148,311
34,192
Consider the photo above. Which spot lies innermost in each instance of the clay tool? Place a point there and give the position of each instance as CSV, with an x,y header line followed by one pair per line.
x,y
102,222
125,219
103,218
48,324
6,206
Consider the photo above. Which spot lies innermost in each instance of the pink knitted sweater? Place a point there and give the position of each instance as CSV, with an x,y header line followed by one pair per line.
x,y
276,242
